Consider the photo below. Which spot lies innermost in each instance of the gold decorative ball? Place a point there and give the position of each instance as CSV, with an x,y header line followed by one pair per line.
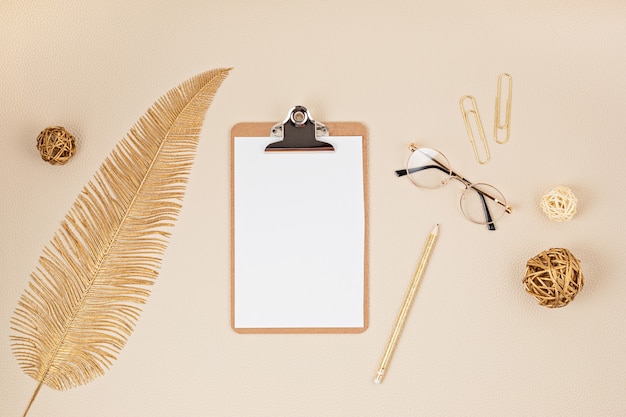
x,y
559,204
553,277
56,145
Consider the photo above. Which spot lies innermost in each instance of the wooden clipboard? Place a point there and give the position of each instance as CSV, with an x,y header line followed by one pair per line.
x,y
299,226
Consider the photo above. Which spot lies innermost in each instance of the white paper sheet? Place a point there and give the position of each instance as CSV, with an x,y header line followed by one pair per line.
x,y
299,236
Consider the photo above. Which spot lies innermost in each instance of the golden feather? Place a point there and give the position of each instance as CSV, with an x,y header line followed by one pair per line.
x,y
84,298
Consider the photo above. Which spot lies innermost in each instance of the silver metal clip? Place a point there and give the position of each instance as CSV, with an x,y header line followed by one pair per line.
x,y
299,132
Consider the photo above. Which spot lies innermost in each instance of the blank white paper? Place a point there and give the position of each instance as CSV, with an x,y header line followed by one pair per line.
x,y
299,236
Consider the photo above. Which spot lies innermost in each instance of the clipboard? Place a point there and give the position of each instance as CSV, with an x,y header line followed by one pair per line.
x,y
299,226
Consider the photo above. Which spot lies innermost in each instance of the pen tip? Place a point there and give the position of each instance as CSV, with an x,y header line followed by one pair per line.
x,y
377,380
436,229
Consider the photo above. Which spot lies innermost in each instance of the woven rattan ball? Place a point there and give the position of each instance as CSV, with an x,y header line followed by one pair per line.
x,y
559,204
553,277
56,145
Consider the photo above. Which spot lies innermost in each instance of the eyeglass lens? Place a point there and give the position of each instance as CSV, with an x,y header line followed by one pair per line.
x,y
482,203
428,168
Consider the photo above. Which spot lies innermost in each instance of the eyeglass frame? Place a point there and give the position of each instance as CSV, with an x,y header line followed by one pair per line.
x,y
466,183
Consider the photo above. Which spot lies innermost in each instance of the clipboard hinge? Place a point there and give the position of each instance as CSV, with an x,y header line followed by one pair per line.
x,y
299,132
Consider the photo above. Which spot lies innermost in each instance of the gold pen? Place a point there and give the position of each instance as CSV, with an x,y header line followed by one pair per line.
x,y
408,301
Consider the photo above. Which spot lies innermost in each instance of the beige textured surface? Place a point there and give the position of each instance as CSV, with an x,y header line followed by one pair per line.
x,y
475,343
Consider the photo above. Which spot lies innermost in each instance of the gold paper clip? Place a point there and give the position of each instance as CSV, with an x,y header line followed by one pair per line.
x,y
505,125
479,127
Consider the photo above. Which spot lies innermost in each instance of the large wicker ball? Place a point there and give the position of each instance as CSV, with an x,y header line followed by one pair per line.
x,y
56,145
553,277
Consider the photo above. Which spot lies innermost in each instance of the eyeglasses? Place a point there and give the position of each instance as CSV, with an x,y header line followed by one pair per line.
x,y
480,203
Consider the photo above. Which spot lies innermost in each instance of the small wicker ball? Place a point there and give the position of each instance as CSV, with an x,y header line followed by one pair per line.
x,y
553,277
56,145
559,204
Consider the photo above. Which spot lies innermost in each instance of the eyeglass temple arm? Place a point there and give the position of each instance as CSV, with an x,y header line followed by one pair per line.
x,y
488,218
403,172
490,224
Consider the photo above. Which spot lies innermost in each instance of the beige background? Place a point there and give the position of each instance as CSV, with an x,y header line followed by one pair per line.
x,y
475,343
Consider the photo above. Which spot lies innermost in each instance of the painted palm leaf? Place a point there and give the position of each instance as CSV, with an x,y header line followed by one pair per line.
x,y
84,299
